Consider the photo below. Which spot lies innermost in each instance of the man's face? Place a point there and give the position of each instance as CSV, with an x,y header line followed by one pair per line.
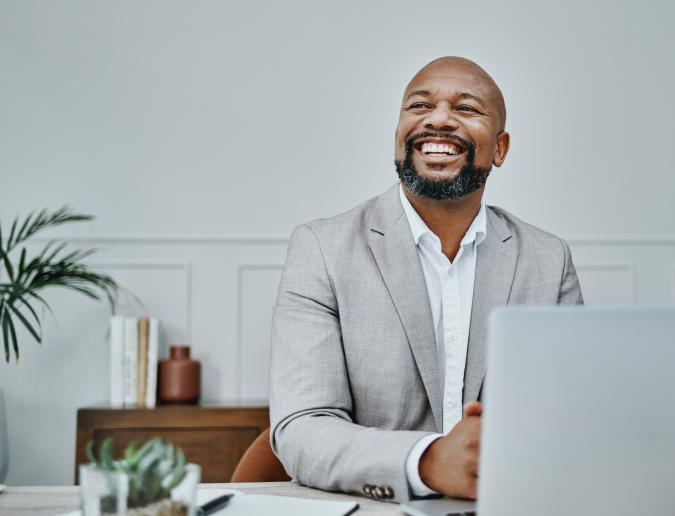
x,y
449,132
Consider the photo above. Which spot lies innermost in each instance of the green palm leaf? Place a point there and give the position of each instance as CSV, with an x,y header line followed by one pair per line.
x,y
26,324
43,220
25,303
5,331
8,266
12,332
11,236
53,266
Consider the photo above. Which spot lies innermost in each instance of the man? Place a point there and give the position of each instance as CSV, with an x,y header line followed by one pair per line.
x,y
379,331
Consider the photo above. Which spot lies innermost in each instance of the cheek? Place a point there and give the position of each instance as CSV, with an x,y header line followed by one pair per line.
x,y
486,147
399,143
484,153
404,129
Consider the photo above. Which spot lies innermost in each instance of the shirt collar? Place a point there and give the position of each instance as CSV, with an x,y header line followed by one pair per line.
x,y
474,235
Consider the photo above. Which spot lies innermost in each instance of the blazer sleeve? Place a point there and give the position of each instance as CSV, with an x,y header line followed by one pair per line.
x,y
312,428
570,291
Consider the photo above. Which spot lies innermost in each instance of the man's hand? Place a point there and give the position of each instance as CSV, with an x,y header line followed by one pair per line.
x,y
450,464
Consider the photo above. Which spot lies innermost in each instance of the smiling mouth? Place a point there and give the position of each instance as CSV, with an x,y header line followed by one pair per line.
x,y
439,150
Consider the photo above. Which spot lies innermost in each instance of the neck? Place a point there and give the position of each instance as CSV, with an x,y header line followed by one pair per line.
x,y
448,219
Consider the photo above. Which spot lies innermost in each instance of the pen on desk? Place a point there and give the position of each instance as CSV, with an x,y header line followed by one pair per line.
x,y
214,505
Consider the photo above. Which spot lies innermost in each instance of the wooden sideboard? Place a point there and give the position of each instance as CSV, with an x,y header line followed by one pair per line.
x,y
215,437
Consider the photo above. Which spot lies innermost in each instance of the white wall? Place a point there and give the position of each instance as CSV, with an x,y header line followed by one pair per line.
x,y
199,134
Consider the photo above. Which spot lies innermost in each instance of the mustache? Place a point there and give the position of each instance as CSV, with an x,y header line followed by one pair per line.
x,y
445,135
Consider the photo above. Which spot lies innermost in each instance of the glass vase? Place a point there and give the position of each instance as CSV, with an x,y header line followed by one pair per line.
x,y
108,493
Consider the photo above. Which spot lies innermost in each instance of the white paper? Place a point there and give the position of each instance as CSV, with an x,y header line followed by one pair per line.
x,y
256,504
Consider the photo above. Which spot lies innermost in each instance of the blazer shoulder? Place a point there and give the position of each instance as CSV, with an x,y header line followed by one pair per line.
x,y
347,225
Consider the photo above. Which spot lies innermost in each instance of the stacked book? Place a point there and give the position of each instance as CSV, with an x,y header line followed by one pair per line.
x,y
134,348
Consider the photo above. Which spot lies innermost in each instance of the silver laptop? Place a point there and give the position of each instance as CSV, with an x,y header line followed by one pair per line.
x,y
579,414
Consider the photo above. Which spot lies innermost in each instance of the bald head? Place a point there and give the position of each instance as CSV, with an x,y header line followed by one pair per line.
x,y
455,65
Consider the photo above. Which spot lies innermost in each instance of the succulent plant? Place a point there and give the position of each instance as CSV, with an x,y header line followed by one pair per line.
x,y
153,469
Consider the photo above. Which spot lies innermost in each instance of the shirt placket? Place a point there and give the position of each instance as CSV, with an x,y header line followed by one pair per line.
x,y
455,354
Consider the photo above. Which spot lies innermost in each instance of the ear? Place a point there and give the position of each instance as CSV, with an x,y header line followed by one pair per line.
x,y
503,141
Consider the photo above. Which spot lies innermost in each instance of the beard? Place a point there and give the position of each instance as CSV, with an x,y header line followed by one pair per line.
x,y
469,179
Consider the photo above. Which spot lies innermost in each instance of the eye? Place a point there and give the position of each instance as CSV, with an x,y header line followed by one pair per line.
x,y
467,108
419,106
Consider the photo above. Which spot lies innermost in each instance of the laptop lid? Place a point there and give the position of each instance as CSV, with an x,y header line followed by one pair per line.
x,y
579,412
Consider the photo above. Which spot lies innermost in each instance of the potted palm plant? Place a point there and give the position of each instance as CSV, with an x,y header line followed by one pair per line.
x,y
23,279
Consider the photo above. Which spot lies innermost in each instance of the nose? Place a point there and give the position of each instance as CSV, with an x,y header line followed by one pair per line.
x,y
441,118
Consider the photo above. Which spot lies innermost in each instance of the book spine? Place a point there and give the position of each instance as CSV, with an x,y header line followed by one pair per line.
x,y
130,361
116,361
153,356
142,360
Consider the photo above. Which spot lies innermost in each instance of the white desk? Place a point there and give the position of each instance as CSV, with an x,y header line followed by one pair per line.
x,y
38,501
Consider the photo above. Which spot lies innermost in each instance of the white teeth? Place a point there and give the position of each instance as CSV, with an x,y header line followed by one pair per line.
x,y
429,148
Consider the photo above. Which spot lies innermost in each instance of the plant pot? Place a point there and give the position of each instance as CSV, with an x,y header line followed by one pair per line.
x,y
107,493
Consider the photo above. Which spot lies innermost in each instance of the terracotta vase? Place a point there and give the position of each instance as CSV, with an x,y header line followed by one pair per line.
x,y
179,377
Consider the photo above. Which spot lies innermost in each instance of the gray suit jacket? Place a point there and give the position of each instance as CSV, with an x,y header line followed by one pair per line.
x,y
354,368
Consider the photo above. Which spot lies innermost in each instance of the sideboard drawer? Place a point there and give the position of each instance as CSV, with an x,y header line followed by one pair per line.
x,y
213,437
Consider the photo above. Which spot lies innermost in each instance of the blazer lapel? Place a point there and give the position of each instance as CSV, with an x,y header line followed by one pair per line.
x,y
396,256
495,269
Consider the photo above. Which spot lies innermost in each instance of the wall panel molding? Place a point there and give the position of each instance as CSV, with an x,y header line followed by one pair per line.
x,y
628,240
242,269
627,270
224,239
171,239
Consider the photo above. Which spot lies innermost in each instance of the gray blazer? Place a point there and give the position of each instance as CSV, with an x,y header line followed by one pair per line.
x,y
354,368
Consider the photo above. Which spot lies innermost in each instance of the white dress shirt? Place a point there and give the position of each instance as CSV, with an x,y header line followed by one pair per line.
x,y
450,289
